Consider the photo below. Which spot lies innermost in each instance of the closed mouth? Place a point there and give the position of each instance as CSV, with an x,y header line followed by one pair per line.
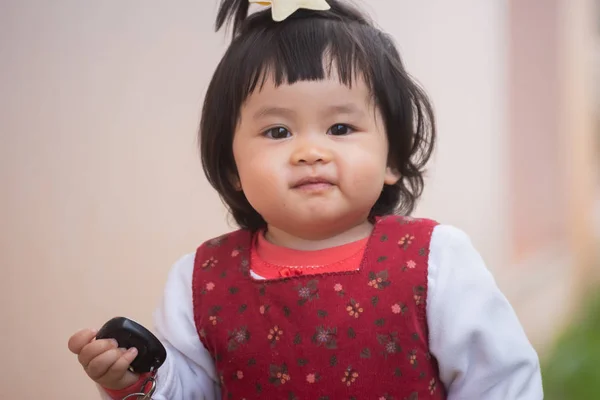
x,y
311,181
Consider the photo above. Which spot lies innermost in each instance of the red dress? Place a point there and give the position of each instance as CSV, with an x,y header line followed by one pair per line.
x,y
344,335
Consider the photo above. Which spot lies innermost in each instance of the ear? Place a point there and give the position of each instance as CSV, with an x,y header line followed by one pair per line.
x,y
237,184
392,176
234,180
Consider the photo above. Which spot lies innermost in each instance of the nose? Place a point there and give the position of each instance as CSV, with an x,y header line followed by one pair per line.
x,y
311,152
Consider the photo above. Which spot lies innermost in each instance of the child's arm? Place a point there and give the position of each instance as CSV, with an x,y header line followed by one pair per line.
x,y
482,350
188,372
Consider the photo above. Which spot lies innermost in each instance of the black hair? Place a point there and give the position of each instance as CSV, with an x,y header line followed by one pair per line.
x,y
296,51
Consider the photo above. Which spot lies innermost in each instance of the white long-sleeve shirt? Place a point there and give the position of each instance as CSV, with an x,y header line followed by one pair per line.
x,y
481,348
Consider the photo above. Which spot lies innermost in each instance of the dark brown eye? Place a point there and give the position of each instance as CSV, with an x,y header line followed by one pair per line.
x,y
277,133
339,130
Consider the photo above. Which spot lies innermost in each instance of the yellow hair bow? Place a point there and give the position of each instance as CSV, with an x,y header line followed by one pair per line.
x,y
281,9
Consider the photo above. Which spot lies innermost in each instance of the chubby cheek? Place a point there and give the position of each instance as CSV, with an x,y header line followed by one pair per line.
x,y
246,162
366,188
365,174
260,182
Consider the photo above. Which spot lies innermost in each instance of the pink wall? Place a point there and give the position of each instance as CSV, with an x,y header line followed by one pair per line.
x,y
102,185
537,181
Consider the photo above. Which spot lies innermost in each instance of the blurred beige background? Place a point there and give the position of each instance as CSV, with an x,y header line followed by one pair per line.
x,y
102,188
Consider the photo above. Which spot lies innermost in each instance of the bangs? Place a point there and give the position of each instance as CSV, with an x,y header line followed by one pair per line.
x,y
307,49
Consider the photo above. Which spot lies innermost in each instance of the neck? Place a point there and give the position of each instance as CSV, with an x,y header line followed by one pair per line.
x,y
297,242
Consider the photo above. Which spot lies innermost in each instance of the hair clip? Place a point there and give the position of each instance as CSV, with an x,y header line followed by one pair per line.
x,y
281,9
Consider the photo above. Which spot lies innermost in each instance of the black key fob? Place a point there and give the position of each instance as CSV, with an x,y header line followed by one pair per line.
x,y
128,333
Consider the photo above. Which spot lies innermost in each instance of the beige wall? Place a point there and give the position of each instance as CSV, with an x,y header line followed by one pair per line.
x,y
579,20
536,148
553,170
102,187
458,50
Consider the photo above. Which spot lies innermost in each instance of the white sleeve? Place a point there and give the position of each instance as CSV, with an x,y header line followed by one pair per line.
x,y
189,371
475,335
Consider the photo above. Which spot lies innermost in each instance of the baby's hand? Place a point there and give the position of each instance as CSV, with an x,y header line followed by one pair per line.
x,y
103,360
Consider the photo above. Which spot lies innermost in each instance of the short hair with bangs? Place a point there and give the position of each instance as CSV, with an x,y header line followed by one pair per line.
x,y
296,50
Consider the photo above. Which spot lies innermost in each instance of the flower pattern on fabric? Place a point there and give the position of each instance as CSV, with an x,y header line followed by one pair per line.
x,y
406,241
350,376
410,264
313,378
208,288
274,335
210,263
339,289
245,266
412,357
308,292
418,291
335,334
390,344
264,309
354,309
432,386
325,337
238,337
379,280
214,315
279,374
399,308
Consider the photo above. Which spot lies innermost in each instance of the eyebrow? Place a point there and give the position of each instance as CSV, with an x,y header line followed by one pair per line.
x,y
348,108
273,112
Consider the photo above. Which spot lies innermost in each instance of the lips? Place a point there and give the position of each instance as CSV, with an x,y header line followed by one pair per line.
x,y
312,181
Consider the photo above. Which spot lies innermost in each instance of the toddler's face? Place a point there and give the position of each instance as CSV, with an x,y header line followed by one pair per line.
x,y
312,156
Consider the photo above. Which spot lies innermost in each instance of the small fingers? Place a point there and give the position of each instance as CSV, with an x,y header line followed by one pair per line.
x,y
94,349
80,339
121,366
99,365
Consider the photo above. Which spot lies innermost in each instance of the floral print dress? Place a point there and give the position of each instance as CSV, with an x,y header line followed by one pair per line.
x,y
345,335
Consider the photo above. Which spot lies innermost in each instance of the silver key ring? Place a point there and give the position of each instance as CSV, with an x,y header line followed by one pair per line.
x,y
141,395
